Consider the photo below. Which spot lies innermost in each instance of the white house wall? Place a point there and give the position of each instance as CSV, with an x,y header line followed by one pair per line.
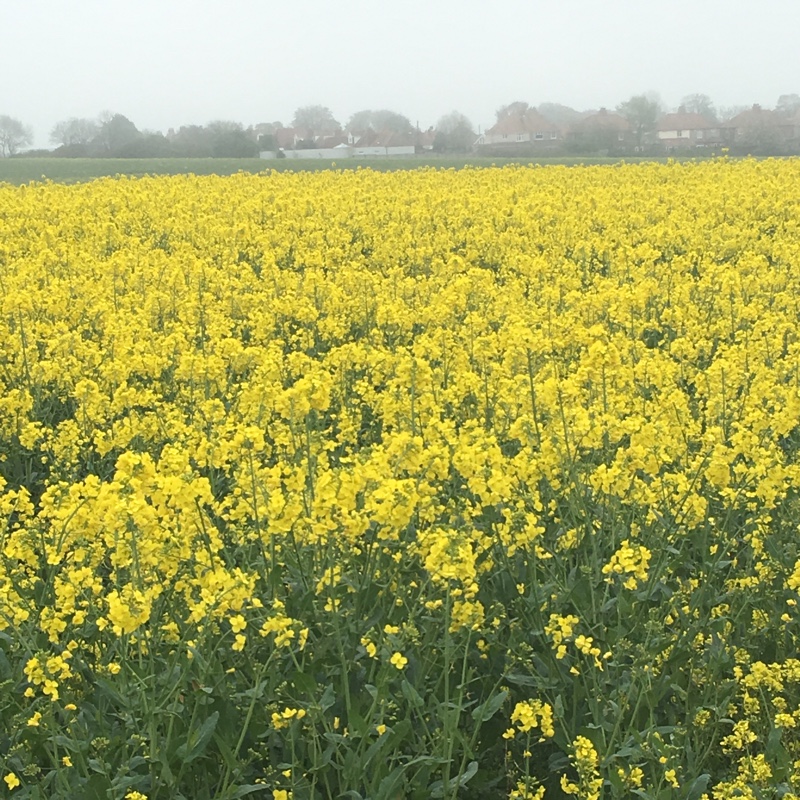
x,y
345,152
323,152
674,134
510,138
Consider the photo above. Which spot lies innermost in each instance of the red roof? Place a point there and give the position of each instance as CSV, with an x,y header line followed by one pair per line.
x,y
385,139
685,121
331,141
755,117
426,138
603,120
286,137
529,122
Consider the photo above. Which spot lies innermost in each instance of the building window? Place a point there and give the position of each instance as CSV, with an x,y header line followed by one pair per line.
x,y
699,134
538,136
505,136
620,137
519,137
680,134
554,134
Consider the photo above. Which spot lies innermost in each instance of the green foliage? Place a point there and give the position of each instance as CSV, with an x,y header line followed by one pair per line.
x,y
74,170
642,114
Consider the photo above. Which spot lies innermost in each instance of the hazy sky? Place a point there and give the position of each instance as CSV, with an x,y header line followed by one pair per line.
x,y
166,63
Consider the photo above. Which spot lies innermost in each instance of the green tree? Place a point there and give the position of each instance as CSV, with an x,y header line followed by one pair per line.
x,y
454,134
700,104
116,132
147,145
381,120
233,143
642,113
13,135
192,141
317,119
268,141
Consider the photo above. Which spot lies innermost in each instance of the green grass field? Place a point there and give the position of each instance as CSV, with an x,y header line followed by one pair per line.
x,y
72,170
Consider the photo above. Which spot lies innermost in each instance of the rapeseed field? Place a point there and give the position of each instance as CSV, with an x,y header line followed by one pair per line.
x,y
455,484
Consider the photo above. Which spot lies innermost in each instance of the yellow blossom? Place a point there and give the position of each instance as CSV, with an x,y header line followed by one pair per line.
x,y
398,660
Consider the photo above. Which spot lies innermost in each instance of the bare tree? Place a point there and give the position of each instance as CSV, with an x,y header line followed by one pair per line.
x,y
788,104
73,131
559,114
518,107
381,120
699,104
641,111
454,133
729,112
13,135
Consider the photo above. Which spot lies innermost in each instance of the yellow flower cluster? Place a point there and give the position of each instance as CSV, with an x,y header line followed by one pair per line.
x,y
560,630
284,718
585,761
506,398
529,715
629,560
48,673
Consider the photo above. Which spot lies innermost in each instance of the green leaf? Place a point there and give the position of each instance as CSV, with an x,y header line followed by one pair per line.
x,y
304,683
627,751
387,789
436,789
96,788
241,791
521,680
198,740
698,787
485,711
558,707
413,697
373,750
68,743
5,667
328,698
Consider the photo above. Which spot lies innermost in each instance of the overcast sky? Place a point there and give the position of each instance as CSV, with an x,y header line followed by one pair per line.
x,y
167,63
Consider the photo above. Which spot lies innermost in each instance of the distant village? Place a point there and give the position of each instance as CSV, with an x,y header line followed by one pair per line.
x,y
638,126
523,130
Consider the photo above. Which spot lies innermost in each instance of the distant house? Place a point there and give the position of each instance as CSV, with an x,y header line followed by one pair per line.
x,y
601,131
385,143
301,144
328,142
424,140
685,129
338,152
529,127
288,138
760,129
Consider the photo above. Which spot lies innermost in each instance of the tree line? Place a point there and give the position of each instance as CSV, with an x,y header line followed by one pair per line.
x,y
114,135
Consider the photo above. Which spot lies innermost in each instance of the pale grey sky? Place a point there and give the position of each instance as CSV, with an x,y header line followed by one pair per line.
x,y
166,63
